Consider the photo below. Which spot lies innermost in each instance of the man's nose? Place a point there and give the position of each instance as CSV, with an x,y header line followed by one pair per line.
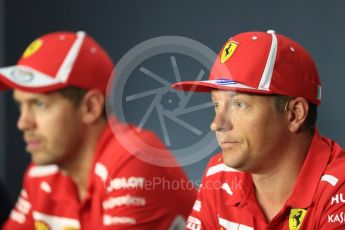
x,y
26,120
221,122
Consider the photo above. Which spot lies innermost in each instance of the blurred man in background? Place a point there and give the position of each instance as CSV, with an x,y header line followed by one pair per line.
x,y
81,177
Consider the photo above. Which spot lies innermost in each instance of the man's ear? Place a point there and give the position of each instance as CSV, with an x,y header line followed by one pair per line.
x,y
92,106
297,109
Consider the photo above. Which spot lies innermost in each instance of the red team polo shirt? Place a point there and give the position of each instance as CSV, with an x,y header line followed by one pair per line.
x,y
123,193
226,199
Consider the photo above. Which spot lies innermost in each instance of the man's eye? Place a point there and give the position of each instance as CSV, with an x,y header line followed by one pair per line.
x,y
216,104
239,104
40,104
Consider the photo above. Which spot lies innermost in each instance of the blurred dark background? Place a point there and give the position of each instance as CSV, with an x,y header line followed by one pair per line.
x,y
120,25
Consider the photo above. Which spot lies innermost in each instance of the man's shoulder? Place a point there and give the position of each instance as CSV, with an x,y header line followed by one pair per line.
x,y
135,150
332,182
334,176
329,202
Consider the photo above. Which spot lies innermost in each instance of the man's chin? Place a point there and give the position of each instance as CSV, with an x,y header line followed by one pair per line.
x,y
40,160
233,160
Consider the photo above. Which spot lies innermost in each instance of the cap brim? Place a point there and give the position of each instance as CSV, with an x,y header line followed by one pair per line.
x,y
207,86
27,79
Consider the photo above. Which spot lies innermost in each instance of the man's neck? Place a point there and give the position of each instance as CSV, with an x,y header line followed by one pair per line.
x,y
78,168
274,186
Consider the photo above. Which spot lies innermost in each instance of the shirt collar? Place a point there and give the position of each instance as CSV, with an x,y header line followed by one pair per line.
x,y
244,191
105,137
312,170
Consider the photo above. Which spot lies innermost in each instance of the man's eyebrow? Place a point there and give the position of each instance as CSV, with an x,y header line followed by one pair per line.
x,y
16,100
27,100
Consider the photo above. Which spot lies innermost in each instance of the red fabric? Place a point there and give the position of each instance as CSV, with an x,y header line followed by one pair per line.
x,y
236,207
125,195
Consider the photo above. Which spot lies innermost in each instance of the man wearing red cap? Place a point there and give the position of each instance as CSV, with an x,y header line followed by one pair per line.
x,y
81,177
275,171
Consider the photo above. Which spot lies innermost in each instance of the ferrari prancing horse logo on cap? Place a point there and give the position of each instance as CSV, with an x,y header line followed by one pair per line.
x,y
32,48
228,51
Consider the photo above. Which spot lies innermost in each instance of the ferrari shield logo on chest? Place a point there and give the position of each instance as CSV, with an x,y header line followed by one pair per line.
x,y
296,218
228,51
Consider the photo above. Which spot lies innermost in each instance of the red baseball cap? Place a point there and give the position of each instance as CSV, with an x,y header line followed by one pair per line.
x,y
262,63
57,60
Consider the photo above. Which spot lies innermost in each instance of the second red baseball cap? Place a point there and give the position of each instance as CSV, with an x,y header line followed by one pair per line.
x,y
57,60
262,63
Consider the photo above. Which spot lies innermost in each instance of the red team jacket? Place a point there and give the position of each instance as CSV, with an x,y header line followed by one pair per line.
x,y
123,193
226,198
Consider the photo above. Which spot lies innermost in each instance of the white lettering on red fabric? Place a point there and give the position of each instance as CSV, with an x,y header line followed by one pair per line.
x,y
125,183
193,223
337,198
336,218
127,200
115,220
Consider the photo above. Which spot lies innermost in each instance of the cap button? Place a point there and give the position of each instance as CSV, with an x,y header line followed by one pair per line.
x,y
271,32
